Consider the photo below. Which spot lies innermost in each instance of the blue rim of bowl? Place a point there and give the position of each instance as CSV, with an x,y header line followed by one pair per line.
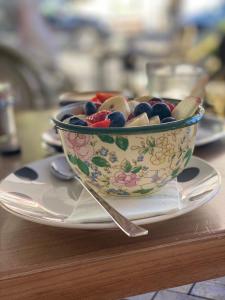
x,y
128,130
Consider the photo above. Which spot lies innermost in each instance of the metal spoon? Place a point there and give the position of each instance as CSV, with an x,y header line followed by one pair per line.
x,y
61,169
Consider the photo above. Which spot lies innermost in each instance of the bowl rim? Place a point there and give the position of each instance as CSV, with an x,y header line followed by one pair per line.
x,y
127,130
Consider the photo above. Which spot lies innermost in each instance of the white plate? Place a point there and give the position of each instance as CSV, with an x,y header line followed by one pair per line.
x,y
54,200
210,129
51,138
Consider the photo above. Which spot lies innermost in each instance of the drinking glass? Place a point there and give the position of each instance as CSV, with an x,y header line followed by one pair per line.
x,y
172,80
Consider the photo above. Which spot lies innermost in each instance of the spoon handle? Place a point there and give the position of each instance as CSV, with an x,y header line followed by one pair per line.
x,y
128,227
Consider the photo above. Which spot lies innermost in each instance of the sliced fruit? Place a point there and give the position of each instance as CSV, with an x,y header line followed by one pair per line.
x,y
171,105
102,124
186,108
97,117
96,101
155,100
116,103
141,120
82,117
104,96
154,120
143,98
131,116
132,104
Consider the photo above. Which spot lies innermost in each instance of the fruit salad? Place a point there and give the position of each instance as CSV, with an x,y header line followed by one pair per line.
x,y
107,110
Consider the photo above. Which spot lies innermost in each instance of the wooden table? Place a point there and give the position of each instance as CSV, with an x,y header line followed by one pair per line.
x,y
41,262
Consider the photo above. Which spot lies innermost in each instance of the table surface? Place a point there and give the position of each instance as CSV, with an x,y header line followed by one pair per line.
x,y
41,262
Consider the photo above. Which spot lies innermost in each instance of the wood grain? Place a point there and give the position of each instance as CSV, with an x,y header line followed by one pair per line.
x,y
41,262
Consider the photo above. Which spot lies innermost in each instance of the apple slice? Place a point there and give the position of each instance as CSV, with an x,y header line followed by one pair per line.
x,y
141,120
116,103
186,108
132,104
154,120
143,98
82,117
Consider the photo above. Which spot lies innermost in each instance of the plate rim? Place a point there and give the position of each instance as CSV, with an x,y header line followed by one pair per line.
x,y
49,141
215,137
112,225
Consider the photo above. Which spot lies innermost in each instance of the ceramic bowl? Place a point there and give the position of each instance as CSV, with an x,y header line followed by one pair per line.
x,y
128,161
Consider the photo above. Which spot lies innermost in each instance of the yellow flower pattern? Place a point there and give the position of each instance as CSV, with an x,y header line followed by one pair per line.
x,y
131,165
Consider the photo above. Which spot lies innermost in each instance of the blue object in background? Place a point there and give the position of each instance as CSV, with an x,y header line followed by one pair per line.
x,y
207,20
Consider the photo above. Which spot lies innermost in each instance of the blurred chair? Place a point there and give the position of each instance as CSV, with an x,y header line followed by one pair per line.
x,y
28,56
34,85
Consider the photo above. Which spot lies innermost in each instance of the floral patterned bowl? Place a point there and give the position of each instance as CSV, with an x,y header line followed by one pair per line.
x,y
128,161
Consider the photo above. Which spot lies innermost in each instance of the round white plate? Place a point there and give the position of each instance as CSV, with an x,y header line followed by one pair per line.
x,y
53,201
210,129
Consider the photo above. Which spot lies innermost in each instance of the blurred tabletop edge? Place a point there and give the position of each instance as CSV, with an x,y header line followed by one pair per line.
x,y
40,262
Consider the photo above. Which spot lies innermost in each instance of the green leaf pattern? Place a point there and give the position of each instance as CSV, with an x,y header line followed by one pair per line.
x,y
80,164
127,166
143,191
187,156
118,169
135,170
106,138
122,143
83,167
100,161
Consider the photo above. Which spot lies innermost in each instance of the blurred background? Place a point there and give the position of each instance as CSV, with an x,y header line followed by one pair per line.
x,y
51,46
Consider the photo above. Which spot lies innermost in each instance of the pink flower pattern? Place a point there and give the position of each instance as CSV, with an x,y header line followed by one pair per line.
x,y
79,143
127,179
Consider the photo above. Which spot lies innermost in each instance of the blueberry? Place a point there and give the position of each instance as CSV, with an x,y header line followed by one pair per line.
x,y
143,107
77,121
73,120
168,119
66,116
161,110
90,108
117,119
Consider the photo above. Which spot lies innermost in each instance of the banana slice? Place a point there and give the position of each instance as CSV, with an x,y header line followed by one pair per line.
x,y
141,120
116,103
186,108
132,104
143,98
154,120
82,117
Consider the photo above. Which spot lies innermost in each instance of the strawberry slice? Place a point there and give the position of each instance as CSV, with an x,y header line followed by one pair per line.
x,y
98,116
104,96
154,100
102,124
131,116
171,106
96,101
